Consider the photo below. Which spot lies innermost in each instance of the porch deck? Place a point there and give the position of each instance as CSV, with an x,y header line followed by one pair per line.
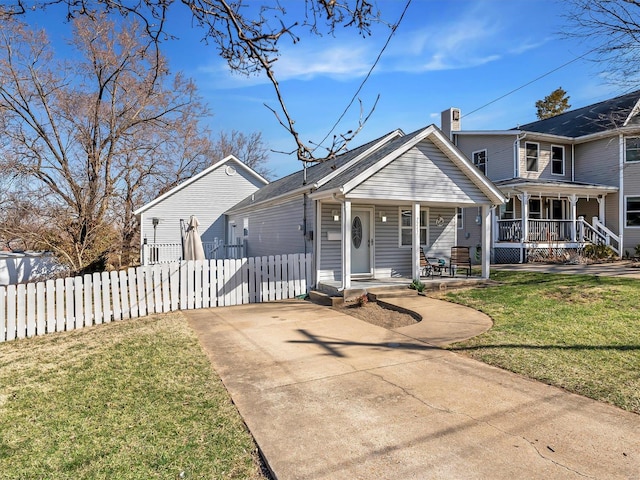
x,y
363,286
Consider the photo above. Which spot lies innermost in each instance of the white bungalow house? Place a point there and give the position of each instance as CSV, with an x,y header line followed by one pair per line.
x,y
367,213
206,195
570,180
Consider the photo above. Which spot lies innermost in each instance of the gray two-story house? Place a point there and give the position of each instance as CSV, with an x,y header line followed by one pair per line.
x,y
569,180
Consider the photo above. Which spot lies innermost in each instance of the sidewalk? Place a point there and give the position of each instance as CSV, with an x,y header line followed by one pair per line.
x,y
327,396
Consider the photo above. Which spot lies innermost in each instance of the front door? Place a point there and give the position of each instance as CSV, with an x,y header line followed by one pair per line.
x,y
360,237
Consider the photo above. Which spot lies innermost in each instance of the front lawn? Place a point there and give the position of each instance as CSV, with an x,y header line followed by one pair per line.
x,y
134,399
581,333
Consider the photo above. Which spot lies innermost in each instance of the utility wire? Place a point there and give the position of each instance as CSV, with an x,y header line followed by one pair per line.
x,y
355,95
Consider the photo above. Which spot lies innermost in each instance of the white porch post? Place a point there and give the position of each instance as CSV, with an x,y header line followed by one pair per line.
x,y
487,211
524,202
415,240
573,200
601,209
346,244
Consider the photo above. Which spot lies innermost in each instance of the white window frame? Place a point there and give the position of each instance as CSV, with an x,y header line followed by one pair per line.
x,y
460,217
561,147
477,164
626,210
526,156
626,149
410,227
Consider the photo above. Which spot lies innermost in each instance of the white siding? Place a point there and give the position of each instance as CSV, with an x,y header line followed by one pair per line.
x,y
207,198
274,229
423,174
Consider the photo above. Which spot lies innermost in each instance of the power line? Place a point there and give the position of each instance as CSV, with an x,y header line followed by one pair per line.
x,y
355,95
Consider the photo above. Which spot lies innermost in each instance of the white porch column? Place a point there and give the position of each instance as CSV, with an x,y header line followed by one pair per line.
x,y
573,201
601,209
415,240
524,203
346,244
487,214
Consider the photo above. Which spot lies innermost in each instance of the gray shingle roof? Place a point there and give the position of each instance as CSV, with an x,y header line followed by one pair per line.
x,y
315,173
596,118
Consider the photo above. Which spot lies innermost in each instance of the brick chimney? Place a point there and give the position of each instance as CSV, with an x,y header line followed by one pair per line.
x,y
450,121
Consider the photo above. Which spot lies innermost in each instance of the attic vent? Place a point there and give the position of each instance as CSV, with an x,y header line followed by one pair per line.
x,y
229,170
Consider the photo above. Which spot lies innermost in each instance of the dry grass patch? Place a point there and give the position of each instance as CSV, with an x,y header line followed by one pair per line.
x,y
129,400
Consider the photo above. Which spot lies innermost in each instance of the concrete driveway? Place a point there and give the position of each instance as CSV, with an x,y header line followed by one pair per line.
x,y
327,396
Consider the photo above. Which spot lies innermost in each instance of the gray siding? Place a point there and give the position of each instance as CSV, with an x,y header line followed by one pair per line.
x,y
274,229
207,198
499,153
422,174
597,162
390,259
544,161
631,189
330,250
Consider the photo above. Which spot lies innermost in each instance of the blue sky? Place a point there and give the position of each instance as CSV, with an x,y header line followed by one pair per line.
x,y
458,53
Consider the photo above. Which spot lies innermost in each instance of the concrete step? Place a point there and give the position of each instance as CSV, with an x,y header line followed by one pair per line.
x,y
321,298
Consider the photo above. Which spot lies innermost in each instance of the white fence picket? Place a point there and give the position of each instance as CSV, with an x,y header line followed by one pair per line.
x,y
21,311
31,309
41,319
97,298
76,302
11,312
106,297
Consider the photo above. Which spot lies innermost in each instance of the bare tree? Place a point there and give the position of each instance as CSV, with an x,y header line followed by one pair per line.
x,y
248,148
247,35
90,139
614,25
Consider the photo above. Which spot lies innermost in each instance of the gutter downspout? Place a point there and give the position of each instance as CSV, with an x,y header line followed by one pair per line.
x,y
573,162
516,155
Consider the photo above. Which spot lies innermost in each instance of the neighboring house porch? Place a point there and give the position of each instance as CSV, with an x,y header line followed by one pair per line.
x,y
550,217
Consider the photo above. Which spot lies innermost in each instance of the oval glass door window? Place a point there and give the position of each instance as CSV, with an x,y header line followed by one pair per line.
x,y
356,232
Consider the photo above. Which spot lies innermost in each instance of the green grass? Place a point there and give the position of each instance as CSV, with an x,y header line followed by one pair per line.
x,y
581,333
135,399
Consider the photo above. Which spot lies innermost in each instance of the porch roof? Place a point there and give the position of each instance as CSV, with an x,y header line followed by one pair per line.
x,y
553,187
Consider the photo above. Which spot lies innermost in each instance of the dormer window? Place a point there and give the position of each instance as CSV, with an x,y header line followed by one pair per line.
x,y
480,160
532,154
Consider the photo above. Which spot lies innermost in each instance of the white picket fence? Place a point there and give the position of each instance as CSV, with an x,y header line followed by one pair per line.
x,y
67,304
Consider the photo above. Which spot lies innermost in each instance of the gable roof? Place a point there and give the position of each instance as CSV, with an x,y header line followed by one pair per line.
x,y
355,175
597,118
317,174
206,171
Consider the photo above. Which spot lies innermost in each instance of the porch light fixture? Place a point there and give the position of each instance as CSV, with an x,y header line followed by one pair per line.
x,y
383,217
478,220
336,215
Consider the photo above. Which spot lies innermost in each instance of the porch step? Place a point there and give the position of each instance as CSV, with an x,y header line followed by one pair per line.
x,y
322,298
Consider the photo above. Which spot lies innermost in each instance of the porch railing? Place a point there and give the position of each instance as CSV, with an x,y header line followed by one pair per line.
x,y
154,253
550,230
558,231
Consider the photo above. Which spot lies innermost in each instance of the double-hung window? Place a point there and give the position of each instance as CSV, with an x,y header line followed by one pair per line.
x,y
557,160
632,211
632,149
535,208
532,152
506,210
406,216
480,160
